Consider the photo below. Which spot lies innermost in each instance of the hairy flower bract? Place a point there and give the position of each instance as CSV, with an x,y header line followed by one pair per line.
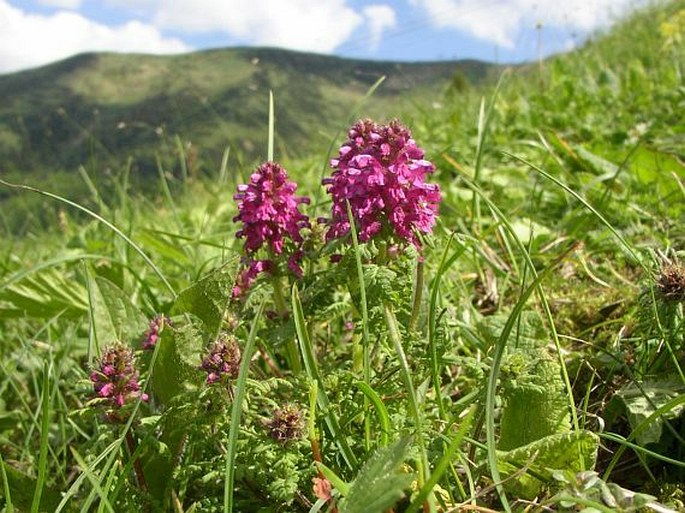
x,y
222,361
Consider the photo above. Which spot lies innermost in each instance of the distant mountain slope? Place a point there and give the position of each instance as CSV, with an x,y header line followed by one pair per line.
x,y
103,109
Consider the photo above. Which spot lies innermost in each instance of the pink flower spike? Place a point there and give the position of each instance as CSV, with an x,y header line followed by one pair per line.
x,y
381,172
268,209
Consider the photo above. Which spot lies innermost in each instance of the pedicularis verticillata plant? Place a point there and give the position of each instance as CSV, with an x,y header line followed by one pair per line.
x,y
381,173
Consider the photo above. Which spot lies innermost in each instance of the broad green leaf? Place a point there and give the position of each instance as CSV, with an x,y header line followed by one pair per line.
x,y
22,488
380,483
575,451
644,400
207,299
177,360
115,317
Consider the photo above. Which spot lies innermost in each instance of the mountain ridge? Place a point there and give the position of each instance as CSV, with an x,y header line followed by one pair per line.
x,y
105,108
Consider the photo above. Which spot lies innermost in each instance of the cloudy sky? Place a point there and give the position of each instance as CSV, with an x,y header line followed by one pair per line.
x,y
36,32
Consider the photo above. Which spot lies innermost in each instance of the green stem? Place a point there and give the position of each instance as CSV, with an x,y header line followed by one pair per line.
x,y
292,354
405,372
366,350
418,293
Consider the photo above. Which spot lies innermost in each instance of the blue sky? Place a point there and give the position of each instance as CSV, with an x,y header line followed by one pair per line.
x,y
36,32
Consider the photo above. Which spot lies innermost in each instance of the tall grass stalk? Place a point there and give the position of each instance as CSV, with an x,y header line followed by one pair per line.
x,y
366,350
312,370
236,410
405,373
102,220
44,440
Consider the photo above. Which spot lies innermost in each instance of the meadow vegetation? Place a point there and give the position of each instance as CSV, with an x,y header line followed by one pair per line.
x,y
477,308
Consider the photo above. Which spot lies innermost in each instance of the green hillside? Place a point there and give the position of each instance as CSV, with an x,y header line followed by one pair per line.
x,y
106,108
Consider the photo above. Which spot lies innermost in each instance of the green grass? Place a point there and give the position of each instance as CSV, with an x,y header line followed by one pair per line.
x,y
538,301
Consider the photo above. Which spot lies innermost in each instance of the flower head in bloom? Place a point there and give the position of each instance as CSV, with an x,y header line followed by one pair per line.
x,y
269,212
222,361
286,424
268,209
116,379
154,329
382,173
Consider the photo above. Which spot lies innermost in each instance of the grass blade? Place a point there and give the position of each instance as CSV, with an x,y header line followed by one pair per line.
x,y
236,410
44,432
102,220
9,507
270,148
313,374
443,463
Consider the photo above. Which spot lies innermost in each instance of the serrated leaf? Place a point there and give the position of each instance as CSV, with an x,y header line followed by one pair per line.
x,y
207,299
642,401
115,317
380,483
528,333
574,451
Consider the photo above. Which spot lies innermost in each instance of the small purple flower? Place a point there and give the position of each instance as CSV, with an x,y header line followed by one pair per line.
x,y
248,274
671,282
155,328
116,379
222,362
381,172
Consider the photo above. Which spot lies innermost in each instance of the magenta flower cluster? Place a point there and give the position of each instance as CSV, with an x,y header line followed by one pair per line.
x,y
382,173
222,361
154,329
269,212
116,379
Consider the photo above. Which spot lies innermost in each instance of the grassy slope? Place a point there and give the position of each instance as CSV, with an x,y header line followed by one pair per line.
x,y
580,118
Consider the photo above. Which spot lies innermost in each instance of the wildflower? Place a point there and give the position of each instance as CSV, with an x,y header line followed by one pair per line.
x,y
268,209
152,334
222,362
381,172
671,282
269,212
116,380
248,274
286,424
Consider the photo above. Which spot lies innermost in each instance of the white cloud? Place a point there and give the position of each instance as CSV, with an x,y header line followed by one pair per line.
x,y
62,4
28,40
378,18
310,25
501,21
